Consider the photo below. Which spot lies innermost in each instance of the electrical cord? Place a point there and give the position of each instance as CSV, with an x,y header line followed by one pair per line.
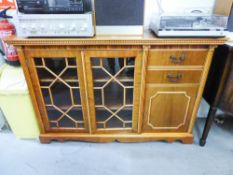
x,y
159,3
2,52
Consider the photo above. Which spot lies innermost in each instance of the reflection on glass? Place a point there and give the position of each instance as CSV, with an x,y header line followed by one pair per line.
x,y
60,89
113,91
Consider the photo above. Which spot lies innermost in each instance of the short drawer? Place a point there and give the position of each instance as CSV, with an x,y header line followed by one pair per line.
x,y
173,76
177,58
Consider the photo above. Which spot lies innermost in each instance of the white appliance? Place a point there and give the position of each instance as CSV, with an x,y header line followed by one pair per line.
x,y
189,25
55,25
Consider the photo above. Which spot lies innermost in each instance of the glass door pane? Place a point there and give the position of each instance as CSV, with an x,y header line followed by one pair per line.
x,y
59,84
113,92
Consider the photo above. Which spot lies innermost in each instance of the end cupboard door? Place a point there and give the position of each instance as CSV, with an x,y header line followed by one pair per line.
x,y
168,109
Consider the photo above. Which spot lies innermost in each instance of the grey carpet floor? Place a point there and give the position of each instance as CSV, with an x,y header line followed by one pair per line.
x,y
29,157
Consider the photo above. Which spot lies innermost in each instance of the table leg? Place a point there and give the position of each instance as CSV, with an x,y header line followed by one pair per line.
x,y
208,124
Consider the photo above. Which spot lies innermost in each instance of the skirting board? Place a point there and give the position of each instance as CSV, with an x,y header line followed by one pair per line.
x,y
185,138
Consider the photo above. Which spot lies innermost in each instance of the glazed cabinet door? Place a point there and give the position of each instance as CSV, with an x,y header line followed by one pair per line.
x,y
114,88
57,80
168,109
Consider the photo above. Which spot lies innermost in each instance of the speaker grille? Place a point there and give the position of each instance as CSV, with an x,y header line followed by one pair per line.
x,y
119,12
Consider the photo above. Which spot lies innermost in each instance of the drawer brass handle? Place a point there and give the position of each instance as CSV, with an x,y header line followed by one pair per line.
x,y
176,60
174,78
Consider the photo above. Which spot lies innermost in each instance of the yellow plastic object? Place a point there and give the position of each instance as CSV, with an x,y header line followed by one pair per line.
x,y
16,104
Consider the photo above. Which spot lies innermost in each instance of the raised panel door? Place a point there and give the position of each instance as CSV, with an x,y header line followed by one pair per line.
x,y
168,109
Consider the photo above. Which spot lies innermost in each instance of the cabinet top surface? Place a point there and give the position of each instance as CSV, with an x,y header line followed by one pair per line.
x,y
146,39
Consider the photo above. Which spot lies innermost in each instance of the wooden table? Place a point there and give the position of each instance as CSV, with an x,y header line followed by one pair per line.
x,y
219,88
